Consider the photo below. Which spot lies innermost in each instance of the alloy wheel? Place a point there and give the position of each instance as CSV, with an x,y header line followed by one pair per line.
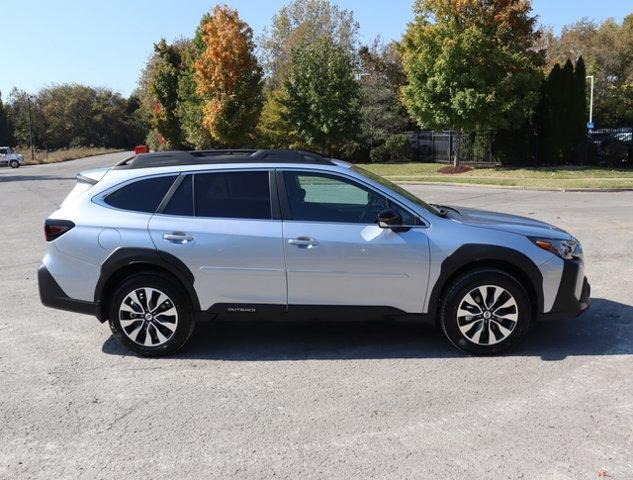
x,y
487,315
148,317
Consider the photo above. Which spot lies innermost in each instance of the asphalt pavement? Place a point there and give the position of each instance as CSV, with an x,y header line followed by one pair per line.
x,y
318,400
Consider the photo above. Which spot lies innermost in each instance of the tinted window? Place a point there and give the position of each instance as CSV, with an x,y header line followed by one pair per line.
x,y
323,198
181,202
232,195
142,196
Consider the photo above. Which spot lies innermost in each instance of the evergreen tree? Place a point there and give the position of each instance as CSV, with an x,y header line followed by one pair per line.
x,y
563,114
163,86
549,111
581,114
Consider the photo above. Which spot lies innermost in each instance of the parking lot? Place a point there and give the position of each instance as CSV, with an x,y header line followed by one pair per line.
x,y
319,400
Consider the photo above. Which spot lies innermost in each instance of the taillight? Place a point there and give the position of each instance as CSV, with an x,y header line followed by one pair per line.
x,y
56,228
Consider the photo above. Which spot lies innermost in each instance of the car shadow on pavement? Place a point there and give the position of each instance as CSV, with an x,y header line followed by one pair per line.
x,y
606,329
30,178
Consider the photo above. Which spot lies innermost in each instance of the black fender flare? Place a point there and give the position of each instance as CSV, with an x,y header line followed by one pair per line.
x,y
126,257
474,255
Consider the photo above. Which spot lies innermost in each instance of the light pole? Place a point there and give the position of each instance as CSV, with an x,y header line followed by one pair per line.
x,y
28,100
592,77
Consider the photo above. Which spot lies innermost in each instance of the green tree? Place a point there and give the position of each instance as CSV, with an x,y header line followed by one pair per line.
x,y
323,96
382,113
6,127
163,81
580,115
18,110
190,102
607,49
298,24
563,114
273,129
471,64
229,78
73,115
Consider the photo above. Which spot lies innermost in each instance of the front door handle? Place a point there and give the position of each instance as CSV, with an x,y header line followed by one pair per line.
x,y
178,237
303,242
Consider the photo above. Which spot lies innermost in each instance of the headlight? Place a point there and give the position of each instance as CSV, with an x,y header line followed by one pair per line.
x,y
566,249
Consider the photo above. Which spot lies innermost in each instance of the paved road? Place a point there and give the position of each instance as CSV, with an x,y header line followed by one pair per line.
x,y
317,401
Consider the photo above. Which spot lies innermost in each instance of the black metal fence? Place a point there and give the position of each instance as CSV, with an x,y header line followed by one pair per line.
x,y
448,145
605,147
610,147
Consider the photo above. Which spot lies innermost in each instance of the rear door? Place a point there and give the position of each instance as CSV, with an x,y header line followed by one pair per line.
x,y
221,225
336,254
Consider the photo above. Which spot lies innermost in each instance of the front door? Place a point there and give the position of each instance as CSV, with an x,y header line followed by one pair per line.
x,y
220,225
336,254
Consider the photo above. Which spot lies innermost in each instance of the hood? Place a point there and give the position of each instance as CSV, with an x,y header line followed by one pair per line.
x,y
506,223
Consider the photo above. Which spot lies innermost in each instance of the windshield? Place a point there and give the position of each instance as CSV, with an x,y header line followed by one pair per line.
x,y
396,188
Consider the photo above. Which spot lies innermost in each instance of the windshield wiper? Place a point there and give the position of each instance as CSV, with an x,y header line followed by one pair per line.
x,y
441,212
443,209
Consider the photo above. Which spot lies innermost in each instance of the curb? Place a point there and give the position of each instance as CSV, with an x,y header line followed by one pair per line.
x,y
515,187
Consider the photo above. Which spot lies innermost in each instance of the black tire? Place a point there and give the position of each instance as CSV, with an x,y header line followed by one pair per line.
x,y
158,327
14,164
475,339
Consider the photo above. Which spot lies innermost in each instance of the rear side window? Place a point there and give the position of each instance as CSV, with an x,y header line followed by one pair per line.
x,y
142,196
232,195
181,202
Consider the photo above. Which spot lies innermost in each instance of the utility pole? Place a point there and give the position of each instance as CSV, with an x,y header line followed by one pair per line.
x,y
592,77
28,99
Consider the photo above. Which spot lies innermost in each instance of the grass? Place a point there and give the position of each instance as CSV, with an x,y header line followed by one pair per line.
x,y
565,177
64,154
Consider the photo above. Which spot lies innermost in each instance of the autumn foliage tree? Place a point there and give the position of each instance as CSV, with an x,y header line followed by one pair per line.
x,y
229,78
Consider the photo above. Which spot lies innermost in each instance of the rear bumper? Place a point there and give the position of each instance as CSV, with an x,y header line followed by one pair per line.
x,y
52,295
574,293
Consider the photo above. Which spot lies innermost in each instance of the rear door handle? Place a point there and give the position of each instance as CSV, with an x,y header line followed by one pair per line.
x,y
178,237
303,242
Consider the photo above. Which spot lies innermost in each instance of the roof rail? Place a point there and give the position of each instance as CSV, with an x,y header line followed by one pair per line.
x,y
201,157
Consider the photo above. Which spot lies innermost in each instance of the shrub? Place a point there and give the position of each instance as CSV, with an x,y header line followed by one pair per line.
x,y
397,148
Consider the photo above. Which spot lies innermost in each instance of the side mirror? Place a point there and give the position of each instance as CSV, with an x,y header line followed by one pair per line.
x,y
389,218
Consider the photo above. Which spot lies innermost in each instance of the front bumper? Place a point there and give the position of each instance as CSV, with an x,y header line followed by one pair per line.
x,y
52,295
574,293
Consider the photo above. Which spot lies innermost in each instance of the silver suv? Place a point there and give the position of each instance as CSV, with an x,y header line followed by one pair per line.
x,y
163,240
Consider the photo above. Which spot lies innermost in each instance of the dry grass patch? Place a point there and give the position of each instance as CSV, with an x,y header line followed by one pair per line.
x,y
64,154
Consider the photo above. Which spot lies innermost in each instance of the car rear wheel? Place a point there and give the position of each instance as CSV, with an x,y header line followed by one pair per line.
x,y
485,312
150,315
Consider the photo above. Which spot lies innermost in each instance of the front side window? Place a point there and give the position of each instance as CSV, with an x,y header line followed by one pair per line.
x,y
396,188
141,196
326,198
232,195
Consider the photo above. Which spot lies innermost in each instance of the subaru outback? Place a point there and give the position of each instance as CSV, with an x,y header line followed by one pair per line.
x,y
163,240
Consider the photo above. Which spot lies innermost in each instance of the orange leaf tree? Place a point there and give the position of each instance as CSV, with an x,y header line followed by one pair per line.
x,y
229,78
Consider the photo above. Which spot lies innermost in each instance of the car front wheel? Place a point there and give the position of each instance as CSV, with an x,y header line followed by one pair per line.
x,y
14,164
149,314
485,312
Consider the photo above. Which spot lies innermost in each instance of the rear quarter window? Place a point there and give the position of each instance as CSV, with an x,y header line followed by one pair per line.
x,y
141,196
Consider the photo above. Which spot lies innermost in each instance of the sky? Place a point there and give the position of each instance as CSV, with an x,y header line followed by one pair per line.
x,y
106,43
